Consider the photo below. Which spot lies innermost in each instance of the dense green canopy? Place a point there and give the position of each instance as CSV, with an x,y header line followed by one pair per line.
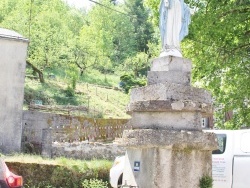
x,y
219,44
105,35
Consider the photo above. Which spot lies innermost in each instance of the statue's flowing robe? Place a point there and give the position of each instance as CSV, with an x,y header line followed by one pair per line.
x,y
174,21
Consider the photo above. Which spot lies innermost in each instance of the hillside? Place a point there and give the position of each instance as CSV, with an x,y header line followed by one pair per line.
x,y
98,95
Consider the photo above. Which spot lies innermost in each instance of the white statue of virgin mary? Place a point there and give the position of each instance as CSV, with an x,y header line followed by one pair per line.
x,y
174,21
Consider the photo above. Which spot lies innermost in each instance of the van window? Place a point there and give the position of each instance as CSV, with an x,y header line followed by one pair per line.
x,y
222,140
245,142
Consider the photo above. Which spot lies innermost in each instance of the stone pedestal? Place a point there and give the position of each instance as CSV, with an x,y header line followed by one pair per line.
x,y
166,148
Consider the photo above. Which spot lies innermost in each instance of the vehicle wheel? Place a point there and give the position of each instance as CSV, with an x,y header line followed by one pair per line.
x,y
120,181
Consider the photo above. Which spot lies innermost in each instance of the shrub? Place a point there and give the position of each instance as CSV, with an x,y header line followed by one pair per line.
x,y
128,81
70,92
65,174
206,182
94,183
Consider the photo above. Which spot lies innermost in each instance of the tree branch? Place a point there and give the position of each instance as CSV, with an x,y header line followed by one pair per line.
x,y
236,10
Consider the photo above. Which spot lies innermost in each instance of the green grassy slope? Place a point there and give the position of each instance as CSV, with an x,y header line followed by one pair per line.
x,y
98,92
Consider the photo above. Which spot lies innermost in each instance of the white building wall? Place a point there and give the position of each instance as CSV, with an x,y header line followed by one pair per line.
x,y
13,51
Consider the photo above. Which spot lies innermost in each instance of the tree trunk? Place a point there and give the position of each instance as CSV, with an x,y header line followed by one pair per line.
x,y
39,72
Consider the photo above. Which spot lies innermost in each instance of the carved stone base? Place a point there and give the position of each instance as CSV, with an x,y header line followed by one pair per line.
x,y
167,159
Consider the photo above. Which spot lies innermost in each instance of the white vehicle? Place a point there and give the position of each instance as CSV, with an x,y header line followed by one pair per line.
x,y
230,163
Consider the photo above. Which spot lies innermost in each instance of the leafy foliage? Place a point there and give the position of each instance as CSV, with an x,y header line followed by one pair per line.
x,y
59,35
143,29
206,182
219,48
59,172
138,65
111,33
94,183
129,81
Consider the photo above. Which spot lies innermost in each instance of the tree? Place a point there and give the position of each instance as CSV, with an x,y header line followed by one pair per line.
x,y
128,81
143,29
45,23
220,51
138,65
108,36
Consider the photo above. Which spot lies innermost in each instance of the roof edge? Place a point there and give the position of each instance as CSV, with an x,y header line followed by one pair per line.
x,y
10,34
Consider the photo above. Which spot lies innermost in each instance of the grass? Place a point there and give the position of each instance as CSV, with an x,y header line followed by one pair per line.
x,y
95,77
41,172
91,91
79,165
91,76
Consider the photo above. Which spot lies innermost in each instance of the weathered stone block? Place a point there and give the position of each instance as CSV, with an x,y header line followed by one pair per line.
x,y
170,91
169,139
163,168
166,120
178,77
170,106
87,150
167,158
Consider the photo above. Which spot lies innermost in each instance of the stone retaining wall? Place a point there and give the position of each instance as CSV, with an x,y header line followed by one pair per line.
x,y
87,151
55,135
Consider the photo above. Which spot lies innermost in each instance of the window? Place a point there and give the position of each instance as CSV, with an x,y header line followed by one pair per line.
x,y
222,139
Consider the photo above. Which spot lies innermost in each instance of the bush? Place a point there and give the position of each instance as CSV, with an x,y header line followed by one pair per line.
x,y
94,183
62,176
206,182
69,92
128,81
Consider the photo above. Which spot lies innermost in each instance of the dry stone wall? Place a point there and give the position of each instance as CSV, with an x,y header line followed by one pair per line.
x,y
87,150
54,135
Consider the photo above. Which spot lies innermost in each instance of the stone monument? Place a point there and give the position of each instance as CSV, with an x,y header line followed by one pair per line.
x,y
166,147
